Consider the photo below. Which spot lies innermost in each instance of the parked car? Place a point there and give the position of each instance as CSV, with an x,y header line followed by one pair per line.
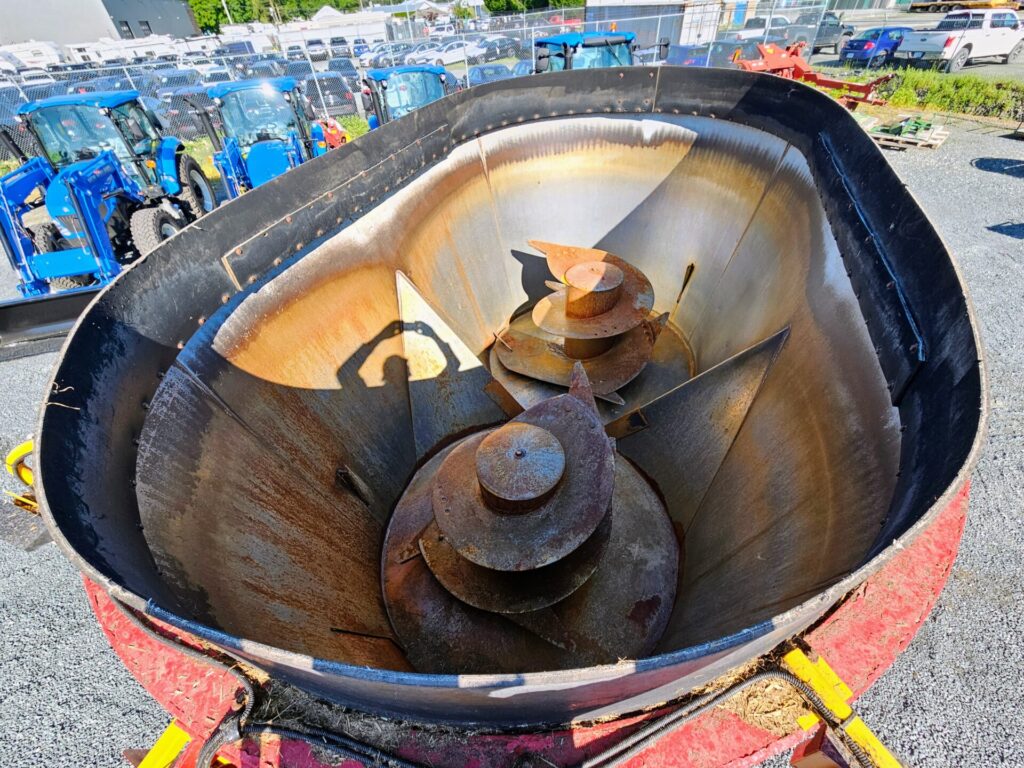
x,y
488,73
449,53
720,53
35,77
508,47
329,93
295,52
963,36
316,50
367,56
347,70
419,48
759,27
340,48
358,48
443,29
168,80
217,75
522,68
873,47
259,69
298,69
391,55
830,32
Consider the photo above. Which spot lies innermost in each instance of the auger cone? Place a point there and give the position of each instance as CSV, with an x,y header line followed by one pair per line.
x,y
599,313
527,534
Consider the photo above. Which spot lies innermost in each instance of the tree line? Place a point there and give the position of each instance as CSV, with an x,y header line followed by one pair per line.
x,y
210,15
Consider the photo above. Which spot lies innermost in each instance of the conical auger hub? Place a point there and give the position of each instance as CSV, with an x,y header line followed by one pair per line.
x,y
514,541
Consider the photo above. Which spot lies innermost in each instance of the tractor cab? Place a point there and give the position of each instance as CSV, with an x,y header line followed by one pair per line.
x,y
113,187
585,50
396,91
78,128
267,127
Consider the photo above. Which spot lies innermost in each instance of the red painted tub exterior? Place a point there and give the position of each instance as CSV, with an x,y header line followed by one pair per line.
x,y
860,639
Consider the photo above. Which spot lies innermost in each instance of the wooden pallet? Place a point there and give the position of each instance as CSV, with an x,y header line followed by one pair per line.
x,y
930,139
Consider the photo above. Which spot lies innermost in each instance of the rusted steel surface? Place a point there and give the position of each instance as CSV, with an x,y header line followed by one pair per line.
x,y
527,350
629,303
550,531
670,365
513,591
518,467
620,610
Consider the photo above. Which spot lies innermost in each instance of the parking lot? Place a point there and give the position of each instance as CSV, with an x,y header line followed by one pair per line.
x,y
68,701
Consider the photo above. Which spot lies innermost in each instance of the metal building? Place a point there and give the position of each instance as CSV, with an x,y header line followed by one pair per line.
x,y
67,21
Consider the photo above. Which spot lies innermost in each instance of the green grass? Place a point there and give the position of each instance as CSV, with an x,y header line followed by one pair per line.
x,y
202,150
965,94
354,124
6,166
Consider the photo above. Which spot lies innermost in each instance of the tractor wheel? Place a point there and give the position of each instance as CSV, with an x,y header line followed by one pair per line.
x,y
150,227
196,197
46,238
958,61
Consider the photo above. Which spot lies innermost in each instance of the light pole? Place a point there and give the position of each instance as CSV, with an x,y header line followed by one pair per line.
x,y
225,4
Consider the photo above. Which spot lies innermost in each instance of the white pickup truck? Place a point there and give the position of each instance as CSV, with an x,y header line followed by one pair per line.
x,y
966,35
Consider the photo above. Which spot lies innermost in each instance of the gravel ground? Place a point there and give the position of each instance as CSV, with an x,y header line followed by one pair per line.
x,y
951,700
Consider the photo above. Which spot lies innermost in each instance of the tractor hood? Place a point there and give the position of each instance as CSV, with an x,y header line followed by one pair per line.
x,y
267,160
234,420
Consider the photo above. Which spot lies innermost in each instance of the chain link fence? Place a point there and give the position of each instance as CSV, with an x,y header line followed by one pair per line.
x,y
476,51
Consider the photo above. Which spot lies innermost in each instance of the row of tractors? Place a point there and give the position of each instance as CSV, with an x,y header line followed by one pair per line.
x,y
109,185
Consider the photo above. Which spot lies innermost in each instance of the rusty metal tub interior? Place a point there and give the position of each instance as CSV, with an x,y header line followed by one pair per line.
x,y
233,422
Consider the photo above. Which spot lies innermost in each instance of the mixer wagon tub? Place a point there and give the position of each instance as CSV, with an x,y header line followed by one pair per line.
x,y
234,420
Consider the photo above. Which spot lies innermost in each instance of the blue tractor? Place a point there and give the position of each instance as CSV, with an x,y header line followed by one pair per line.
x,y
266,127
396,91
588,50
108,187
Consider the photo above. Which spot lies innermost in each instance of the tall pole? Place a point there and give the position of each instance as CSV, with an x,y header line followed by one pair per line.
x,y
225,4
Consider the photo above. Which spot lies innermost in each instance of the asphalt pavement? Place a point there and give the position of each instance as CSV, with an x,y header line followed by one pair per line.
x,y
953,699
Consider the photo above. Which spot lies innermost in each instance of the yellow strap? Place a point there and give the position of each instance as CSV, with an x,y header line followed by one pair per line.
x,y
835,694
167,748
15,462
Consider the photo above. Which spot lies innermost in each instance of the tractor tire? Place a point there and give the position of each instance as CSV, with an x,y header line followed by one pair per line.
x,y
958,61
150,227
196,197
46,238
1016,55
